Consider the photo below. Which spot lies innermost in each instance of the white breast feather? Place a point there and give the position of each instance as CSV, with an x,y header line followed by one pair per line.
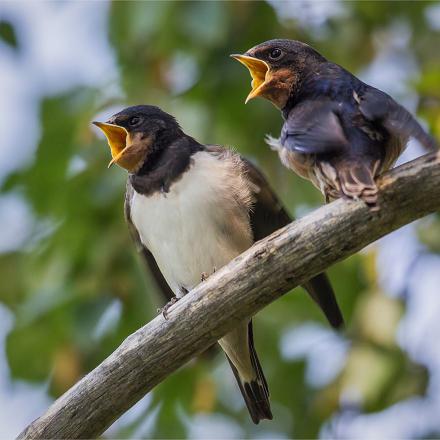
x,y
201,223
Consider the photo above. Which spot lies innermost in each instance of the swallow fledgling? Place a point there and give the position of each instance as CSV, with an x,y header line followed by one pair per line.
x,y
192,208
338,132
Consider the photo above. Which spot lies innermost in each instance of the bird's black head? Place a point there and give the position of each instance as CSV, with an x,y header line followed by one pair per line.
x,y
137,132
276,67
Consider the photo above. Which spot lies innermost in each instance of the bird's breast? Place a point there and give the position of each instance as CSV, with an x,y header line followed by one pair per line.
x,y
200,224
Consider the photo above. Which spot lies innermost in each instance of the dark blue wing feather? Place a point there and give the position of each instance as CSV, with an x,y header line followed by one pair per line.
x,y
313,127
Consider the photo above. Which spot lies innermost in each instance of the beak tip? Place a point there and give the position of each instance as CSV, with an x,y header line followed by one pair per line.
x,y
98,124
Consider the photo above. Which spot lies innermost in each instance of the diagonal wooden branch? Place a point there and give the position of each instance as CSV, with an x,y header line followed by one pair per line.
x,y
262,274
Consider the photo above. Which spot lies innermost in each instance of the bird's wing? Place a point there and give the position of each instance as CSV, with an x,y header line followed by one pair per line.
x,y
313,127
378,107
147,256
269,215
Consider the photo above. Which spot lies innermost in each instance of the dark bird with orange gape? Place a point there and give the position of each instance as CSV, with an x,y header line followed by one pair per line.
x,y
338,132
192,208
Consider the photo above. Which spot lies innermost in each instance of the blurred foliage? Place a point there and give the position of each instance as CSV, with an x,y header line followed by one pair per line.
x,y
78,264
7,34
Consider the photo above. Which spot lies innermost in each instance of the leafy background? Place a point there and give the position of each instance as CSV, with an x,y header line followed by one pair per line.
x,y
71,285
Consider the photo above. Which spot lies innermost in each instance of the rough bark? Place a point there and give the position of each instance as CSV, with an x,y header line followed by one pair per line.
x,y
259,276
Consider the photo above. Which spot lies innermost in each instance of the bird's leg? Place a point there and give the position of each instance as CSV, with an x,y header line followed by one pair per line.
x,y
164,310
369,197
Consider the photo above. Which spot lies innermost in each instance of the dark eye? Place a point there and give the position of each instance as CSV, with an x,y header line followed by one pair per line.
x,y
134,121
275,54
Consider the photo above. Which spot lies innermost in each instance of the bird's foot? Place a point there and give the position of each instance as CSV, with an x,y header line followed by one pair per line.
x,y
205,275
369,197
373,207
164,310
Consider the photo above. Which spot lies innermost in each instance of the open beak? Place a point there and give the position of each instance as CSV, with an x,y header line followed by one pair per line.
x,y
117,138
258,70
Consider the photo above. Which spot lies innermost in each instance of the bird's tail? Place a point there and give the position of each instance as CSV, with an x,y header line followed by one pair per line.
x,y
357,181
249,375
320,289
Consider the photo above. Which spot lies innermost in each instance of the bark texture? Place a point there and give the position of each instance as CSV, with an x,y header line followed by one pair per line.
x,y
272,267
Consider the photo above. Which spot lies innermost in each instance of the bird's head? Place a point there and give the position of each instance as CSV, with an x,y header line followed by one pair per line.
x,y
276,67
136,133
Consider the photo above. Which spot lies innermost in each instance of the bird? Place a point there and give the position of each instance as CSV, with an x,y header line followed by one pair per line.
x,y
339,132
191,208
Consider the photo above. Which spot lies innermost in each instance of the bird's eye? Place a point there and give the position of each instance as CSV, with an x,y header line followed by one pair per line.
x,y
275,54
134,121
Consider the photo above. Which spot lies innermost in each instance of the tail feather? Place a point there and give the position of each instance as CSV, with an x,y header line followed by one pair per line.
x,y
357,181
255,391
320,289
401,123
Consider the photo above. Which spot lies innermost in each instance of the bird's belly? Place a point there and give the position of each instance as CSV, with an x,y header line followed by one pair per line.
x,y
188,231
301,163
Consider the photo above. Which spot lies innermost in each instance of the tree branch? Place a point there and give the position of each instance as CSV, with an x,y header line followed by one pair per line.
x,y
272,267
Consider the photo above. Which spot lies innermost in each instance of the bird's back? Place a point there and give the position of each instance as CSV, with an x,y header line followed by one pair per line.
x,y
329,83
